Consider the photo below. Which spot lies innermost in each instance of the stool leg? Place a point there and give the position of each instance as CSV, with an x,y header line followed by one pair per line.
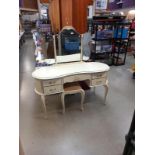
x,y
44,104
63,102
82,99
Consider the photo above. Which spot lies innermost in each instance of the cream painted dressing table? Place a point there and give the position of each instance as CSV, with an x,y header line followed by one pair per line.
x,y
50,80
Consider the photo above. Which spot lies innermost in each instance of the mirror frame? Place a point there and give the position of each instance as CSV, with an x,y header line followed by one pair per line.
x,y
59,45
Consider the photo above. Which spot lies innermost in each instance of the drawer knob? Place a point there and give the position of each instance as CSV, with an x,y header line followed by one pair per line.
x,y
52,89
98,82
52,82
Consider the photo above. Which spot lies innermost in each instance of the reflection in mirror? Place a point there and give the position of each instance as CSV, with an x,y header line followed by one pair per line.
x,y
69,41
68,46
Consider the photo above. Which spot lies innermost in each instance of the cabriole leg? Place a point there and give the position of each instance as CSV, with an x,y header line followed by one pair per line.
x,y
106,86
44,104
63,102
82,99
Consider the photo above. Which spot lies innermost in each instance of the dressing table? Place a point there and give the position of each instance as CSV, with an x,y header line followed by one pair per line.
x,y
67,69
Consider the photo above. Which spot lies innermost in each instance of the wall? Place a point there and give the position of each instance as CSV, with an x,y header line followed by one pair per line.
x,y
126,4
20,3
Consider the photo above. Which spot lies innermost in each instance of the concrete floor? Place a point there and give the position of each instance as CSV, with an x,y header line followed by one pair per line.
x,y
99,130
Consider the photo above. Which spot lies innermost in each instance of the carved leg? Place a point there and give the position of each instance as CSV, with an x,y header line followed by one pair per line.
x,y
106,86
63,102
82,99
44,105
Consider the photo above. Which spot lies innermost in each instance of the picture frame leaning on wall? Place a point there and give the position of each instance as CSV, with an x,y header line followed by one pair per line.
x,y
101,5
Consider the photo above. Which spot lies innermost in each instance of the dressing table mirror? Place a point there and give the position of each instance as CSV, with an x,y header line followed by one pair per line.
x,y
69,68
68,46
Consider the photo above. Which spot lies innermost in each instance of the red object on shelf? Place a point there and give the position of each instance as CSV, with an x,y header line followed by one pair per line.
x,y
133,24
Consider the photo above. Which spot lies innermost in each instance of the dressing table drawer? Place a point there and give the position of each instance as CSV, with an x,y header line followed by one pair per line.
x,y
53,89
99,75
97,82
77,78
52,82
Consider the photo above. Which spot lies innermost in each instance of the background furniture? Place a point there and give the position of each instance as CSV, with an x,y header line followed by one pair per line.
x,y
21,38
111,38
28,26
69,12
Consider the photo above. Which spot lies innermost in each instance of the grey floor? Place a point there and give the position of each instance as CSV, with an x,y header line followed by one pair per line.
x,y
99,130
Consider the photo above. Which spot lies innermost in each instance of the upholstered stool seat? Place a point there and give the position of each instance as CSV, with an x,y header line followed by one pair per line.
x,y
72,88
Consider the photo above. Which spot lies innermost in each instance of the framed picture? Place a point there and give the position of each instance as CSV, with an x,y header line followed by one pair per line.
x,y
101,4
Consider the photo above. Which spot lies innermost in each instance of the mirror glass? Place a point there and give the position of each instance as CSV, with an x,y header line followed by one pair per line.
x,y
69,45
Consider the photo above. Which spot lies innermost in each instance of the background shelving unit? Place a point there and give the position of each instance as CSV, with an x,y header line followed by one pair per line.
x,y
121,41
44,27
28,26
112,31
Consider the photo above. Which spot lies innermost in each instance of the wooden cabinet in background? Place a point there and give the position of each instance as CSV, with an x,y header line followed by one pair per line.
x,y
80,15
69,12
66,7
54,14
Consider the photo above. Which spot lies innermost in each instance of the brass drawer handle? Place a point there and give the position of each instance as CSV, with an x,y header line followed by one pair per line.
x,y
98,75
52,90
52,82
98,82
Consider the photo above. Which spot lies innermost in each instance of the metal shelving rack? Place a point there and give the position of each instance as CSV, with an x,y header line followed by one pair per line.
x,y
117,55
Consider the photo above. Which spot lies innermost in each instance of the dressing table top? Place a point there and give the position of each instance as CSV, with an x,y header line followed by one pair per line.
x,y
66,69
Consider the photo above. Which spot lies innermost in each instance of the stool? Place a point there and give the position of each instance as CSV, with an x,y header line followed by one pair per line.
x,y
72,88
